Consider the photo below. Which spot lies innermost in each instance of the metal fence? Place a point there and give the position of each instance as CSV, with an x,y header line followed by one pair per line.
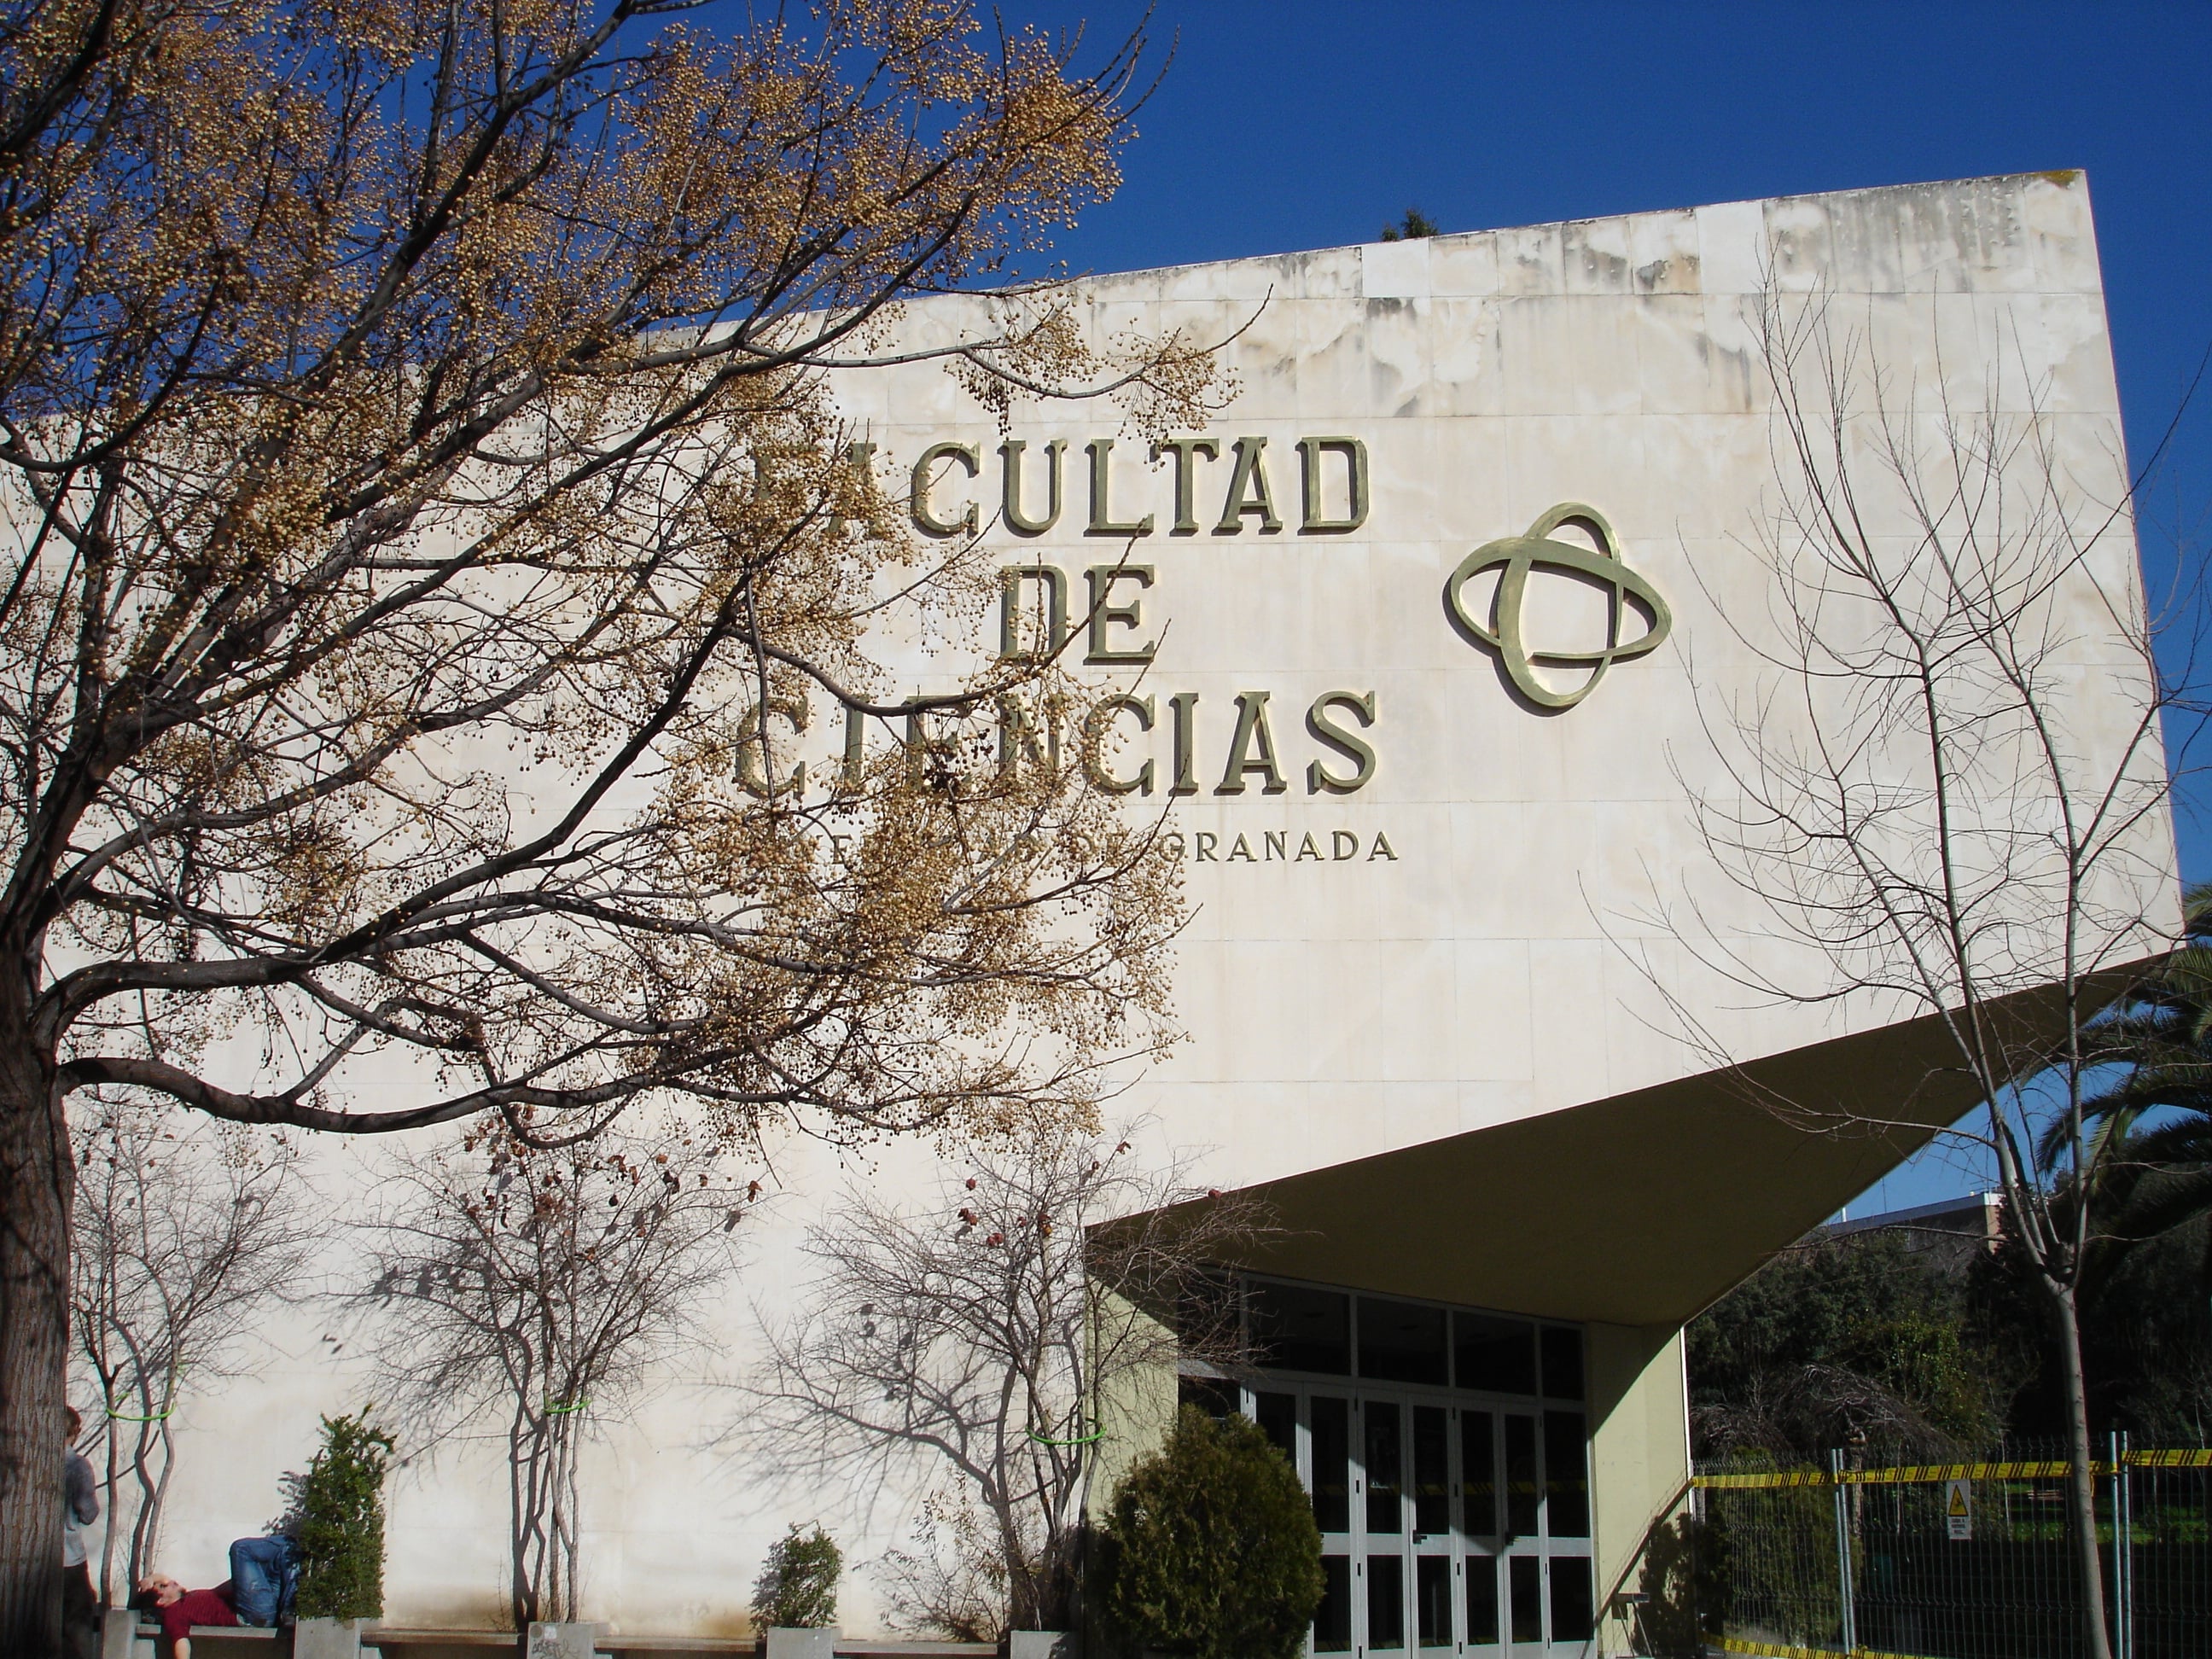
x,y
1952,1561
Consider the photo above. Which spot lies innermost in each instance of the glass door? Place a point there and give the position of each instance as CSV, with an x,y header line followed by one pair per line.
x,y
1328,1420
1570,1600
1479,1528
1445,1530
1382,1512
1521,1544
1433,1546
1446,1455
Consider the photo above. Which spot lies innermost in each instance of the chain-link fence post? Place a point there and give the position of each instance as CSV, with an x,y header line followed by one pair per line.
x,y
2124,1564
1849,1619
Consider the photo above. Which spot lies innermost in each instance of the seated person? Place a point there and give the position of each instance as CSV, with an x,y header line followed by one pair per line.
x,y
179,1609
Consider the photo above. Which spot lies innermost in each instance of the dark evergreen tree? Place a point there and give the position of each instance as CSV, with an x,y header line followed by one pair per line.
x,y
1855,1342
1210,1550
1413,228
2146,1331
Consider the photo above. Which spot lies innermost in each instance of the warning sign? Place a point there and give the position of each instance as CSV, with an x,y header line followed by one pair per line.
x,y
1959,1511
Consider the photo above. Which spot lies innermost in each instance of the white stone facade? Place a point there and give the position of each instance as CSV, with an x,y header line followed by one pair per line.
x,y
1461,941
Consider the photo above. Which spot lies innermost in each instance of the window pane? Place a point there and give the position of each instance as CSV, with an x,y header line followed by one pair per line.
x,y
1386,1600
1333,1618
1497,1355
1332,1465
1566,1483
1478,1463
1562,1362
1277,1414
1401,1342
1481,1598
1431,1471
1432,1599
1385,1461
1298,1329
1206,1308
1572,1609
1214,1395
1527,1577
1522,1495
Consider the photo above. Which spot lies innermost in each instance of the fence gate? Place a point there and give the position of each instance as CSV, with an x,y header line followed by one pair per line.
x,y
1953,1561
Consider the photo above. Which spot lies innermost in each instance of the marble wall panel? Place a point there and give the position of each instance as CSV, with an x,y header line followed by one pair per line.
x,y
1531,259
1565,355
1395,270
1732,247
2062,239
1463,267
1594,256
1466,359
1663,252
1674,365
1401,369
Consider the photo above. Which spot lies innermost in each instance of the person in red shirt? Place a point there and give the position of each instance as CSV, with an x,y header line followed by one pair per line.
x,y
179,1609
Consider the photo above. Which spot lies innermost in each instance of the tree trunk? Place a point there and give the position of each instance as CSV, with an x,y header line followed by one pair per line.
x,y
109,1532
147,1548
567,1524
141,1564
521,1508
2081,1478
36,1181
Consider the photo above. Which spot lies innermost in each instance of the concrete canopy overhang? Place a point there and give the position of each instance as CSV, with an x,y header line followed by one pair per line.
x,y
1644,1208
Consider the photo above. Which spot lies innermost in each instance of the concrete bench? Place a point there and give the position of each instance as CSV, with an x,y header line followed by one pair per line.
x,y
125,1635
432,1643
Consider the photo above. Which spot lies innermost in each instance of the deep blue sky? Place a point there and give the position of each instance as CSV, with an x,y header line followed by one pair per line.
x,y
1296,124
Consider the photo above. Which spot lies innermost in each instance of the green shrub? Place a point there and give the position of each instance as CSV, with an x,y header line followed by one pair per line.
x,y
340,1525
1413,228
798,1585
1210,1550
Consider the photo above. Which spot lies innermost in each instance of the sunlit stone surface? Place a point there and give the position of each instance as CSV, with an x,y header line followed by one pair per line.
x,y
1454,933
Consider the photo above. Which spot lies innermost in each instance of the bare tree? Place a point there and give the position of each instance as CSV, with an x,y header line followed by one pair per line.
x,y
180,1242
534,1295
978,1340
1948,792
421,467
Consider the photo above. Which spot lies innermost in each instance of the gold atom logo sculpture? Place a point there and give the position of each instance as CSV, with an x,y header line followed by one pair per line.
x,y
1514,558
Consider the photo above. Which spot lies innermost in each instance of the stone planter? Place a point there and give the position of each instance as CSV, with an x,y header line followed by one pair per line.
x,y
575,1641
1043,1644
794,1642
327,1638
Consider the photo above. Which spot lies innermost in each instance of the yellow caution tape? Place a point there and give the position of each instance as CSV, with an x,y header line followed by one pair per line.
x,y
1913,1474
1781,1650
1922,1474
1777,1478
1930,1474
2175,1458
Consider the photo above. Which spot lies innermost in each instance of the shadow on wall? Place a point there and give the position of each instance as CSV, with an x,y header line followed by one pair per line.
x,y
1678,1576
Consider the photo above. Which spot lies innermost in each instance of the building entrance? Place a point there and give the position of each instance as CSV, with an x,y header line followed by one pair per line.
x,y
1446,1451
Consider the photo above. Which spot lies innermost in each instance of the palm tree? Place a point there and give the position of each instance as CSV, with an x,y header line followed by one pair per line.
x,y
2147,1181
